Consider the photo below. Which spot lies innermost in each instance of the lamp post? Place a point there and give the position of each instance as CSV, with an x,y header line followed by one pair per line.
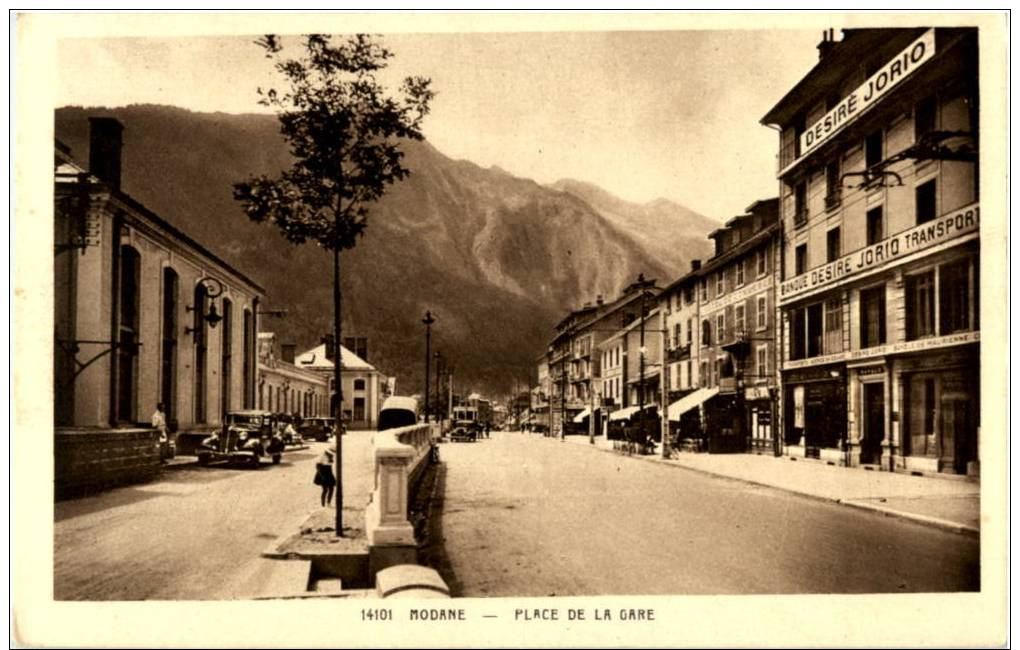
x,y
439,361
428,320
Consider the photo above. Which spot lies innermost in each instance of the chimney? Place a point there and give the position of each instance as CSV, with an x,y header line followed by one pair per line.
x,y
828,42
695,265
287,352
105,142
328,341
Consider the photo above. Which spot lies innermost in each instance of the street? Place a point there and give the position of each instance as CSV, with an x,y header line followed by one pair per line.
x,y
531,516
195,533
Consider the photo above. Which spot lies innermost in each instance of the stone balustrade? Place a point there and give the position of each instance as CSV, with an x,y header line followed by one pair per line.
x,y
400,457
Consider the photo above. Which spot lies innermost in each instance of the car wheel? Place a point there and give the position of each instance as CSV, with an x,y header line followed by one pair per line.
x,y
255,462
276,459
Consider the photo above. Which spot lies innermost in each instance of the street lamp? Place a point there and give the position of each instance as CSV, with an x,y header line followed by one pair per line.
x,y
428,320
439,361
212,289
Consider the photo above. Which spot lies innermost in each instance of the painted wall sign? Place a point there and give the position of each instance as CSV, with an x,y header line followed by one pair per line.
x,y
744,292
868,93
934,343
889,250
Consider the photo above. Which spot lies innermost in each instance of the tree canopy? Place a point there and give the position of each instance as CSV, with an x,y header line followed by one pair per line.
x,y
343,131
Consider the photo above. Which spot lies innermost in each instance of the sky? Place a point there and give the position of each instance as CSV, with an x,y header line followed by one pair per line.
x,y
643,114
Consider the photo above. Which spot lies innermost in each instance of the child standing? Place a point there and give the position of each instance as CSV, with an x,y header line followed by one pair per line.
x,y
324,476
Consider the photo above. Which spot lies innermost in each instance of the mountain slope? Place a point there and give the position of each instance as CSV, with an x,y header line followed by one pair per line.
x,y
497,259
667,230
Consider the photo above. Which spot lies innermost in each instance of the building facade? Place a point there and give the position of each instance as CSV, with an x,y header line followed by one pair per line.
x,y
283,387
363,384
878,295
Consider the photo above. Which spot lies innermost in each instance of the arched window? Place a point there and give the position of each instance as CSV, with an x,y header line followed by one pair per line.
x,y
168,356
127,335
201,350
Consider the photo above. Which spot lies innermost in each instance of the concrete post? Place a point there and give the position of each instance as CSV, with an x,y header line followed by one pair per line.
x,y
386,517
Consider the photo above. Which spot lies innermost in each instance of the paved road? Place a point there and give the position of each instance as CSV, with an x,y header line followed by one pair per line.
x,y
196,533
531,516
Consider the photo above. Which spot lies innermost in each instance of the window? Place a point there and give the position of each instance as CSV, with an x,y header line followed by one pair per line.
x,y
800,212
833,325
872,316
690,380
718,372
873,149
226,356
201,351
875,230
814,330
359,408
762,263
832,249
924,201
677,334
763,317
720,327
920,307
798,334
833,185
168,367
924,118
127,335
957,312
738,319
704,290
739,270
706,333
690,332
703,378
762,360
246,360
720,284
800,259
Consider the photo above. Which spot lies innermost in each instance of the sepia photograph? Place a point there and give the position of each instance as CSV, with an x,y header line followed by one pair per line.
x,y
423,329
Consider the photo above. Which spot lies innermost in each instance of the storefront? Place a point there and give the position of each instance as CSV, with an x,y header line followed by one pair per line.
x,y
758,405
815,412
939,406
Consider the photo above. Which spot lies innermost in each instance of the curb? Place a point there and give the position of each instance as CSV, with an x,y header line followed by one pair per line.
x,y
925,520
272,550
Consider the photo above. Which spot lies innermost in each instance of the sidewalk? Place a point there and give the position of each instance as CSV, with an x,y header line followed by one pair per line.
x,y
951,503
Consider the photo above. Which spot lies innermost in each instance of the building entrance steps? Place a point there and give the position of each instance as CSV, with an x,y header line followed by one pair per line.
x,y
945,502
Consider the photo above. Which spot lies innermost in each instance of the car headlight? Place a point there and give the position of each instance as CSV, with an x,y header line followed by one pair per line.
x,y
242,435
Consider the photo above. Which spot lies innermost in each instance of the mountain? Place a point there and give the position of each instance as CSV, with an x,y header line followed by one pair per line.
x,y
497,259
670,232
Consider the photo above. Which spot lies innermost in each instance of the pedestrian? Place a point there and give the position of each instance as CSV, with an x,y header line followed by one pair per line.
x,y
158,422
324,475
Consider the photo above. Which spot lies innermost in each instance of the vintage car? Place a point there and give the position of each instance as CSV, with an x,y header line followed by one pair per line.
x,y
464,431
317,428
245,437
398,412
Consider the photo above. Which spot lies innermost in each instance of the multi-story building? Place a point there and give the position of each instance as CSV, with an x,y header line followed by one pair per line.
x,y
143,314
283,387
362,383
679,309
878,295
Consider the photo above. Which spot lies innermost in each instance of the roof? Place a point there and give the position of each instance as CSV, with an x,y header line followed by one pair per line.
x,y
741,248
316,358
69,168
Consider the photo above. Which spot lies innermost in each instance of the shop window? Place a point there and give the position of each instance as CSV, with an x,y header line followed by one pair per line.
x,y
920,307
875,229
955,308
924,118
924,201
832,249
873,154
800,259
921,415
873,316
833,185
763,315
833,326
800,210
814,330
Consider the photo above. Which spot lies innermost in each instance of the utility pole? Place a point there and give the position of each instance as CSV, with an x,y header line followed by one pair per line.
x,y
428,320
663,388
439,361
641,360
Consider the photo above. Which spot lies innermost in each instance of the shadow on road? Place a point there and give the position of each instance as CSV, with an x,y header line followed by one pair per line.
x,y
432,550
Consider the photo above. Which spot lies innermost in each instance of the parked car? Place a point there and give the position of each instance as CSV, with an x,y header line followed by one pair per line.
x,y
464,431
317,428
398,412
245,437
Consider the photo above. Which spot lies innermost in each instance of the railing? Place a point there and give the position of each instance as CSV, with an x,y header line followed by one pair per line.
x,y
400,456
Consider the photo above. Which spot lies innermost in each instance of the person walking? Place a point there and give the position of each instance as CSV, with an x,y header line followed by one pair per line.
x,y
324,475
158,422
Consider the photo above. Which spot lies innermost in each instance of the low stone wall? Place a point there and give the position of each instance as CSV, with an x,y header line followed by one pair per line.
x,y
87,461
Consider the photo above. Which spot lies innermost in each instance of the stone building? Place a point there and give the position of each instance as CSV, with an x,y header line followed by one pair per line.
x,y
283,387
363,385
143,314
879,289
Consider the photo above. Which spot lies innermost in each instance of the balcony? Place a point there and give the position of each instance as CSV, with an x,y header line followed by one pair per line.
x,y
833,201
679,352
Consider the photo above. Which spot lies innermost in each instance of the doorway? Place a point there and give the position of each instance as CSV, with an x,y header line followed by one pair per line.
x,y
874,423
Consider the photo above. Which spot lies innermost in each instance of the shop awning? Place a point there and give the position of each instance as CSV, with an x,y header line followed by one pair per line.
x,y
687,402
623,414
579,418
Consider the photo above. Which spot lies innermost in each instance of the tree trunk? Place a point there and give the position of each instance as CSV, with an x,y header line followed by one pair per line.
x,y
339,387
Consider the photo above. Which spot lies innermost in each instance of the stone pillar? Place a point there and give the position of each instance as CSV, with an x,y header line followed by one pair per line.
x,y
386,518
